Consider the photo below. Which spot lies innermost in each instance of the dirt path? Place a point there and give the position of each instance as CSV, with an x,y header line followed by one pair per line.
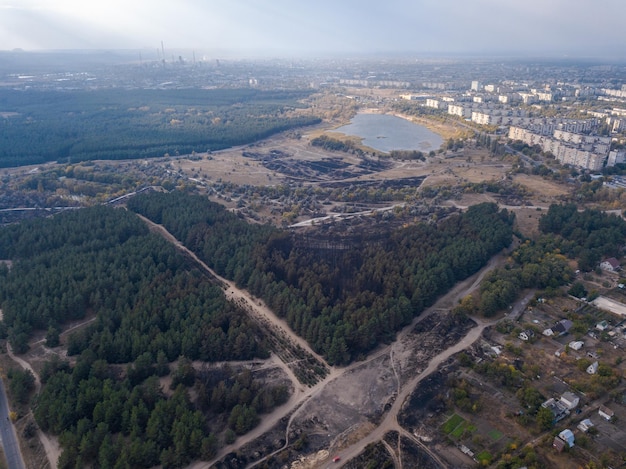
x,y
50,443
237,295
390,422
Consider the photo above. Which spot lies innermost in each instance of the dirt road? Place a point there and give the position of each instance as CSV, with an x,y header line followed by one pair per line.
x,y
238,295
390,422
50,443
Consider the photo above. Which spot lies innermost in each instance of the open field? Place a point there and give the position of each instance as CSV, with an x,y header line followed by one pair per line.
x,y
543,188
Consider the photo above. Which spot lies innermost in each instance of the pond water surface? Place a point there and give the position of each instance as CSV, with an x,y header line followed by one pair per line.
x,y
385,133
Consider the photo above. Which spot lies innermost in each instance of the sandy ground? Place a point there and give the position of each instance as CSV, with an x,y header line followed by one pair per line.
x,y
608,304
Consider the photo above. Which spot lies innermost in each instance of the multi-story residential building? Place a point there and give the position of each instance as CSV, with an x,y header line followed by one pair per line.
x,y
616,157
585,151
461,111
436,103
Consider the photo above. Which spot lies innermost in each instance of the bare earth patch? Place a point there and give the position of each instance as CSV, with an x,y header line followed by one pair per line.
x,y
540,187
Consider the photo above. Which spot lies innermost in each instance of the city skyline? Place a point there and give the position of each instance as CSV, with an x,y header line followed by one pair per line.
x,y
559,28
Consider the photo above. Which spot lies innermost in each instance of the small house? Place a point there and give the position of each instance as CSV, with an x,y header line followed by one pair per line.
x,y
605,413
593,368
548,332
610,265
570,400
585,425
567,436
562,327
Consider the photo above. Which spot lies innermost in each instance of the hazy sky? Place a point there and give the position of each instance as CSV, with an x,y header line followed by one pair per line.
x,y
320,27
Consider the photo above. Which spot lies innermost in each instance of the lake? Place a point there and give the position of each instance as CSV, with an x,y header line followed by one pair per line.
x,y
384,132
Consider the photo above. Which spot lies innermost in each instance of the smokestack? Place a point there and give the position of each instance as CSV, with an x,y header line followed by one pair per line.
x,y
163,51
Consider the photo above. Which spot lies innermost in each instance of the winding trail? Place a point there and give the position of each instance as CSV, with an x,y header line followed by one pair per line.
x,y
50,443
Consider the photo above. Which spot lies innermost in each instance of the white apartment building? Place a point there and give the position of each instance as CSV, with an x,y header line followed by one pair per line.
x,y
617,125
615,93
436,103
461,111
616,157
584,151
578,139
528,98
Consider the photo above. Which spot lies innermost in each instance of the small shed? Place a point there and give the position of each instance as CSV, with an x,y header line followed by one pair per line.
x,y
593,368
526,335
558,444
576,344
602,326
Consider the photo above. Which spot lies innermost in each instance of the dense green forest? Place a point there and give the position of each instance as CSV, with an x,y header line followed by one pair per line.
x,y
79,125
565,232
589,235
346,301
149,310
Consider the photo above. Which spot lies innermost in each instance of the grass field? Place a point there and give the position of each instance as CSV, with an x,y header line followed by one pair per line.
x,y
484,457
452,423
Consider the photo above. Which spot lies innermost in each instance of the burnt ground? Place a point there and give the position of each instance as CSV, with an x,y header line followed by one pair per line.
x,y
376,455
414,456
322,169
426,405
430,336
356,401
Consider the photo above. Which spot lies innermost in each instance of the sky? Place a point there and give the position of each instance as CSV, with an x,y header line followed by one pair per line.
x,y
555,28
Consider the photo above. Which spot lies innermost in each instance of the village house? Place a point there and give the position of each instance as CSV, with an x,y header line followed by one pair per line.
x,y
567,436
610,265
605,412
570,400
562,327
563,440
559,409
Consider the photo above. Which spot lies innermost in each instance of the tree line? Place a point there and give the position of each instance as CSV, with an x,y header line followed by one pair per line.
x,y
72,126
